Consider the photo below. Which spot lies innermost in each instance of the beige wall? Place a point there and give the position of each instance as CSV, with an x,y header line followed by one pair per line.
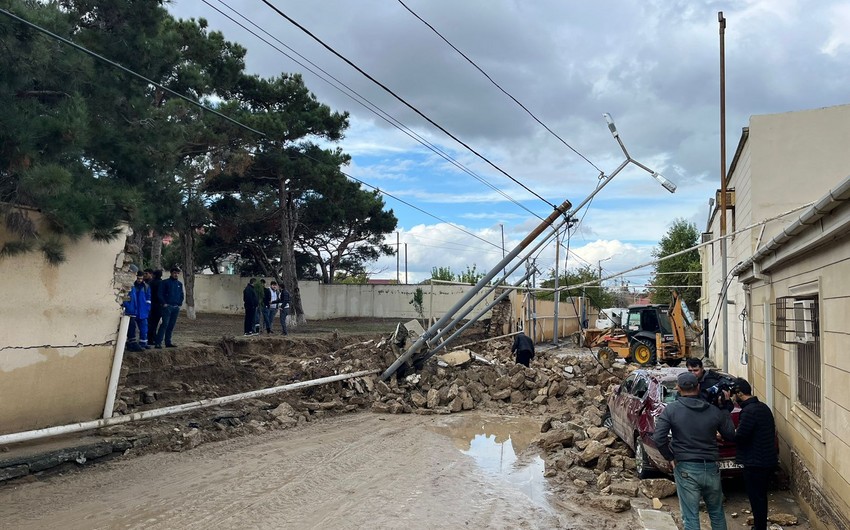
x,y
58,328
222,293
788,160
819,445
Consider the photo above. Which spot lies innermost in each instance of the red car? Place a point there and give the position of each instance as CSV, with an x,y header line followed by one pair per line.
x,y
633,408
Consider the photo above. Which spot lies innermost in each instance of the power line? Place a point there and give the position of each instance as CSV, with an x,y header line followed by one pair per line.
x,y
403,101
236,122
358,98
127,70
485,74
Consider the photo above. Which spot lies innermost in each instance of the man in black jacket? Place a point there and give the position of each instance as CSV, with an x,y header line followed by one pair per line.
x,y
252,302
524,349
694,452
755,441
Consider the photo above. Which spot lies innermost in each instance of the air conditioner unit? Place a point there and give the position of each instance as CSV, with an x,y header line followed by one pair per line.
x,y
804,320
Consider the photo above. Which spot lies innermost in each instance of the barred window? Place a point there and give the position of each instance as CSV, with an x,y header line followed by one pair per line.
x,y
797,323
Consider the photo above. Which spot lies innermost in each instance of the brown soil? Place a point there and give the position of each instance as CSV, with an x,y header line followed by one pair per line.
x,y
302,458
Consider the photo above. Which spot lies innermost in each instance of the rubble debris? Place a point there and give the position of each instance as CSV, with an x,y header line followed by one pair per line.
x,y
657,487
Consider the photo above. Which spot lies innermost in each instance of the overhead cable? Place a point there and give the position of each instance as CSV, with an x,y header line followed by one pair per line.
x,y
485,74
357,98
404,101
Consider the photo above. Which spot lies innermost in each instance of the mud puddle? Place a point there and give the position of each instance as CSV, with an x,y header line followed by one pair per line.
x,y
499,446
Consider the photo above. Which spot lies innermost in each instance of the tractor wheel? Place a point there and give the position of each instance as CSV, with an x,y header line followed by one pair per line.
x,y
606,356
643,353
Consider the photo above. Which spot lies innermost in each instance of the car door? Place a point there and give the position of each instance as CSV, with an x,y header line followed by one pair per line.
x,y
636,403
619,402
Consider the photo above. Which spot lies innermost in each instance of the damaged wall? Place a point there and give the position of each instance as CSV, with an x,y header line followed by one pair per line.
x,y
58,327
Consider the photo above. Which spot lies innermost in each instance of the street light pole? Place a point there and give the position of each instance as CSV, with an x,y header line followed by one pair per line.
x,y
724,308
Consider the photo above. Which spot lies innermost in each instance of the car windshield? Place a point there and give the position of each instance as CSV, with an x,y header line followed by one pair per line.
x,y
668,391
664,321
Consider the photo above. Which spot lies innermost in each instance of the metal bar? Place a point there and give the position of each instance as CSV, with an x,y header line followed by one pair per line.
x,y
186,407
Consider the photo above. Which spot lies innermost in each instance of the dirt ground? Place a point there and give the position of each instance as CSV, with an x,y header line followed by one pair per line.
x,y
334,462
353,471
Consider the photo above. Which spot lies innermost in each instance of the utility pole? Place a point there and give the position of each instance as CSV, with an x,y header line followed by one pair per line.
x,y
724,308
502,226
557,291
405,263
397,258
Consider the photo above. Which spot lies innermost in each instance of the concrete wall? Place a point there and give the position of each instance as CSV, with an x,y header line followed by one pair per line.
x,y
222,293
58,328
787,160
814,448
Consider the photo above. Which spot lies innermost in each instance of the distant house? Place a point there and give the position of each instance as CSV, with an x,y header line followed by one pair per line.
x,y
788,294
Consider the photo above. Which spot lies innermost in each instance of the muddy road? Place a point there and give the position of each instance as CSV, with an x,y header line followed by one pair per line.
x,y
353,471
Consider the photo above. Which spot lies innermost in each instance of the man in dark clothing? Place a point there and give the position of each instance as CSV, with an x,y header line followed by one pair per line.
x,y
283,304
249,298
171,298
755,441
524,349
707,379
153,279
693,451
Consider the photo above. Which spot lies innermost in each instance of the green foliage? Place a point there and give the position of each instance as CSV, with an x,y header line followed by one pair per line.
x,y
470,275
442,273
418,302
681,236
353,279
598,297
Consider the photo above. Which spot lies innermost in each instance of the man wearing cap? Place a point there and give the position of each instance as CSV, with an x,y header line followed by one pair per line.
x,y
755,441
171,298
693,451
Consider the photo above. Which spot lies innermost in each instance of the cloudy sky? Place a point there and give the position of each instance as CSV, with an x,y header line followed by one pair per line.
x,y
652,64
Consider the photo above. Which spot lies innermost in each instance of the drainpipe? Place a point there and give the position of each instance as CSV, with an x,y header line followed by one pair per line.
x,y
768,356
176,409
117,360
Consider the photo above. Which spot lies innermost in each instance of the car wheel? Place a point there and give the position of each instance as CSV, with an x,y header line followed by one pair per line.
x,y
608,421
643,353
643,467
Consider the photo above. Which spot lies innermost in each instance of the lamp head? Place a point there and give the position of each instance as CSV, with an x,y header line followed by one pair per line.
x,y
669,186
611,126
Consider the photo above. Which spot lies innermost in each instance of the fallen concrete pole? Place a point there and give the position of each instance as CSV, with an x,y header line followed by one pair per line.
x,y
25,436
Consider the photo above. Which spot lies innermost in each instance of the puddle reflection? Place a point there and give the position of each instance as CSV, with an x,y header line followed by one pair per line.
x,y
494,444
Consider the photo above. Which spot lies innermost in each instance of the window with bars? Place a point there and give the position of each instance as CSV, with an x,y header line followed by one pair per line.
x,y
797,323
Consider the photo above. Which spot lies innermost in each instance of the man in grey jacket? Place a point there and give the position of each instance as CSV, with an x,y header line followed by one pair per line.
x,y
694,452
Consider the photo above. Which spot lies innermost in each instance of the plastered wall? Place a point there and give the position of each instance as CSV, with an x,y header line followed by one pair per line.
x,y
58,327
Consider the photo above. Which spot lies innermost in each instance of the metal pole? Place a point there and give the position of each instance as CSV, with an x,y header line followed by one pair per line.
x,y
397,258
431,331
502,226
557,292
724,308
175,409
533,301
405,263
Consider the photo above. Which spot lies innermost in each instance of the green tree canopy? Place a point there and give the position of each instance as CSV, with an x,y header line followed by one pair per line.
x,y
597,296
682,235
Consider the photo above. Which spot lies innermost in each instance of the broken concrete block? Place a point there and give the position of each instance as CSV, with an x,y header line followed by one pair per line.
x,y
457,357
626,488
657,487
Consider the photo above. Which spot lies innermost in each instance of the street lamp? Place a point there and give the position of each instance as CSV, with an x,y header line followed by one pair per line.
x,y
669,186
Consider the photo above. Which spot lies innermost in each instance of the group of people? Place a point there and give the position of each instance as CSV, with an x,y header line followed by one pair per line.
x,y
153,305
262,304
695,419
